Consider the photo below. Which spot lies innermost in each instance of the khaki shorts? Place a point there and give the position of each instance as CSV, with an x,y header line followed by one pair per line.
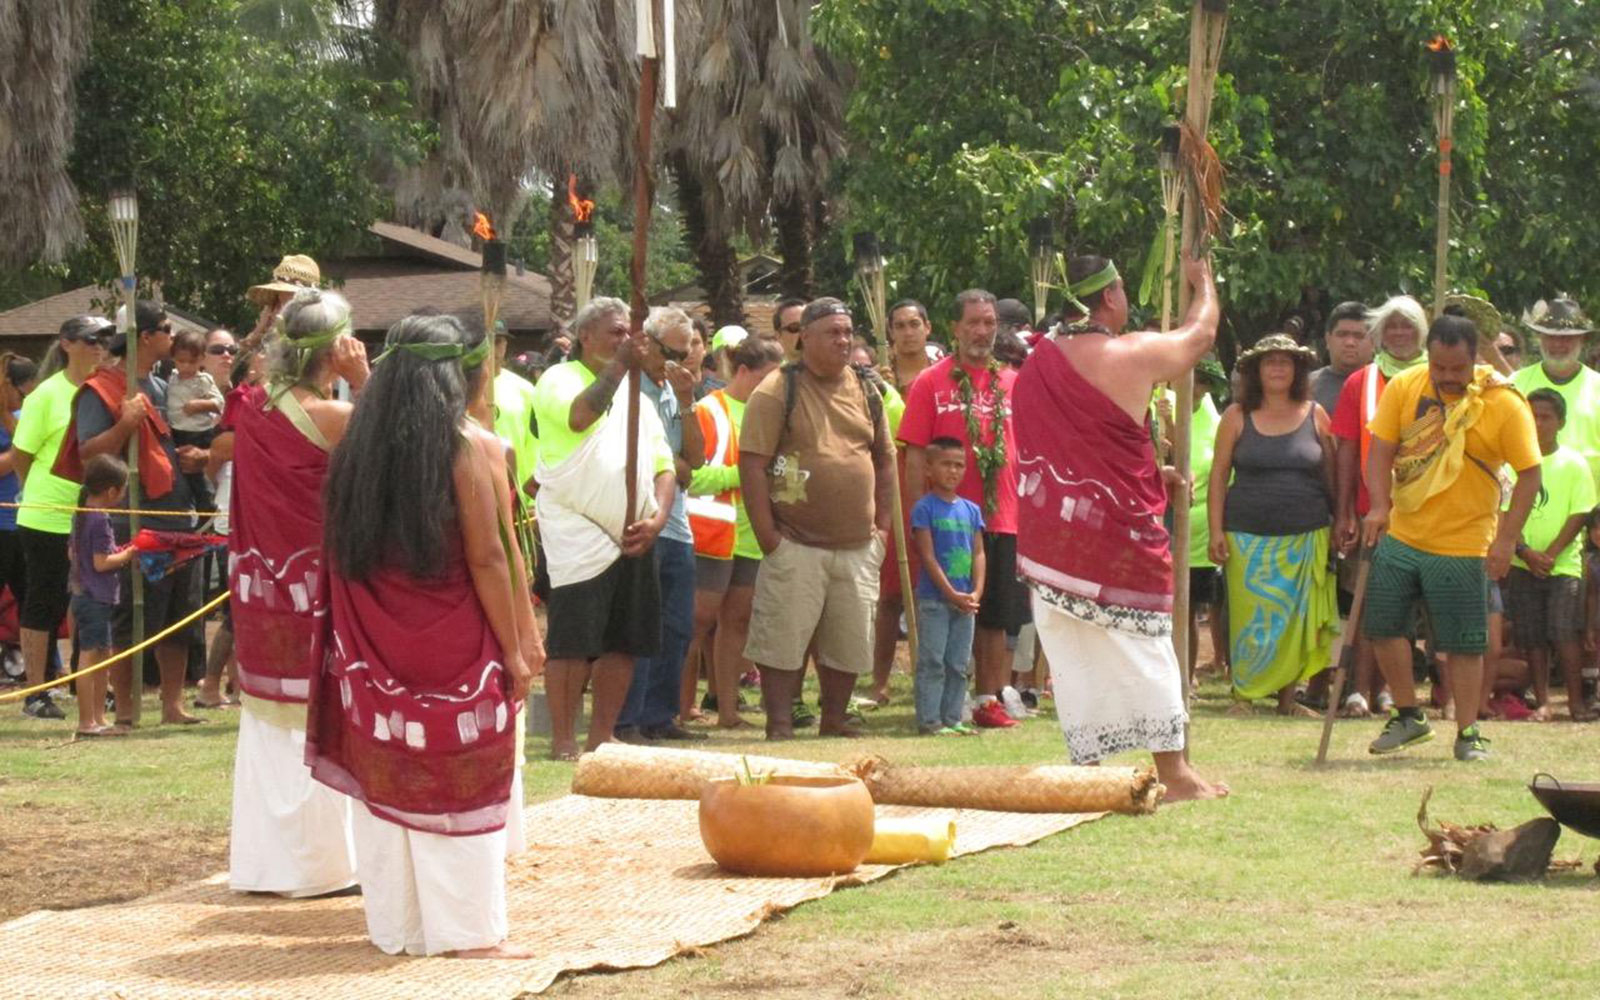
x,y
831,594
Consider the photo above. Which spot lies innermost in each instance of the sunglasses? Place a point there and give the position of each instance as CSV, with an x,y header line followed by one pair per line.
x,y
92,339
792,328
670,353
221,349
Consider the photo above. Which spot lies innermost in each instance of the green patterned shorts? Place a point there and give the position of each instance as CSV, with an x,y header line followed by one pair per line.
x,y
1454,588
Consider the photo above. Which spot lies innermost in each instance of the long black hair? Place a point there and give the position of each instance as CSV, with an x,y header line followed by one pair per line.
x,y
390,498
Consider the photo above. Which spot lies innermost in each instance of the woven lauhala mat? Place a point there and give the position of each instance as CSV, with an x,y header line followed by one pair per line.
x,y
604,884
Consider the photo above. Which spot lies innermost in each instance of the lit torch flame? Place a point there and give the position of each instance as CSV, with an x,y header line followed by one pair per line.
x,y
482,227
582,208
1440,44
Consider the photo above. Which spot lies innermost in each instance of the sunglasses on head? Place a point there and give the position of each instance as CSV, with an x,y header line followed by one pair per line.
x,y
221,349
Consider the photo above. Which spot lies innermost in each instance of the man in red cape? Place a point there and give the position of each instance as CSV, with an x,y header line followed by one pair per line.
x,y
1090,539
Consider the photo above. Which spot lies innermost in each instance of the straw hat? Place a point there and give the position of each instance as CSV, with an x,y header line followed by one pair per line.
x,y
1278,343
294,272
1559,317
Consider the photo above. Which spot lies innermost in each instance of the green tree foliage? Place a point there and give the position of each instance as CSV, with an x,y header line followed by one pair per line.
x,y
244,146
970,118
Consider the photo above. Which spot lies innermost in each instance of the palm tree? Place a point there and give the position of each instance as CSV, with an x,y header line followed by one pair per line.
x,y
42,46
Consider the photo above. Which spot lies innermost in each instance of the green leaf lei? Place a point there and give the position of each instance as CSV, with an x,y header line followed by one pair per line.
x,y
992,456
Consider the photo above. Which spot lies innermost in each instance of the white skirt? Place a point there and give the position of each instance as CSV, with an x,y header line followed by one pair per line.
x,y
426,893
1114,691
291,833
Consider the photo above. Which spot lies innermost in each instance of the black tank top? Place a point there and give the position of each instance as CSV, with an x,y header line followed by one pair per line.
x,y
1278,487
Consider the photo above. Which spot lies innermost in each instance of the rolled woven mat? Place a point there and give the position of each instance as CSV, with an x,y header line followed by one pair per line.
x,y
1044,788
621,771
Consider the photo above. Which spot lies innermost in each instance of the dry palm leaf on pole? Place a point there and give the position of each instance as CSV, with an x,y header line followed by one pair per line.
x,y
1202,216
1041,263
585,252
870,272
1442,56
1168,159
123,208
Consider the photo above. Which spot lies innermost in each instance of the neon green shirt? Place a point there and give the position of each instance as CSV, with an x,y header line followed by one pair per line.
x,y
552,406
513,418
1565,488
709,480
45,415
1582,396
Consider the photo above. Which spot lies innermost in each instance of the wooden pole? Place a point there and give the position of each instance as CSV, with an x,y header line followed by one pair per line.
x,y
1203,31
130,330
642,195
1444,85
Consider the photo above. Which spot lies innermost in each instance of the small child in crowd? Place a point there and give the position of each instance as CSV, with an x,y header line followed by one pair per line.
x,y
1544,589
96,589
949,538
194,405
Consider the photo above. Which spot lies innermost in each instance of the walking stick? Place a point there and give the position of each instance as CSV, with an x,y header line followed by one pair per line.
x,y
1347,652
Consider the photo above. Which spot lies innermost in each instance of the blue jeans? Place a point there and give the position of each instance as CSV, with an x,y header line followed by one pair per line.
x,y
944,652
653,696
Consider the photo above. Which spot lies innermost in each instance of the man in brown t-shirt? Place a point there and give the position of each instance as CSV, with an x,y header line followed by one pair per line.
x,y
814,467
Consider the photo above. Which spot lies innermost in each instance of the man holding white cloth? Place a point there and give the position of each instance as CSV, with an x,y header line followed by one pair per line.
x,y
605,604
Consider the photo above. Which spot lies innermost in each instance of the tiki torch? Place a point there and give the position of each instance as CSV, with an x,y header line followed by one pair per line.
x,y
585,252
492,286
1442,57
1041,263
123,208
870,275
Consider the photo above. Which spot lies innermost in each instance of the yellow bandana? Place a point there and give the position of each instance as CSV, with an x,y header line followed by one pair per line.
x,y
1433,448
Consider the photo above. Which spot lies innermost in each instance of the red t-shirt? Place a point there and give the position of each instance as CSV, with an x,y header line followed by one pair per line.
x,y
1348,424
934,410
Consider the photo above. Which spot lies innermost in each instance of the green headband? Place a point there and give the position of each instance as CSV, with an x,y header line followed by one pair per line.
x,y
307,344
1099,281
441,352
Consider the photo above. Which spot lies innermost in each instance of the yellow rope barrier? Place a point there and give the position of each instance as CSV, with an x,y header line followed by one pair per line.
x,y
202,514
114,660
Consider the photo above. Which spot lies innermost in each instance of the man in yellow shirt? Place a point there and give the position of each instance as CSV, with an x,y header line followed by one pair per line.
x,y
1439,438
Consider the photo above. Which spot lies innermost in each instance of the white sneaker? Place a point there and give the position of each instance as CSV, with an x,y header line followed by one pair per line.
x,y
1011,701
1356,707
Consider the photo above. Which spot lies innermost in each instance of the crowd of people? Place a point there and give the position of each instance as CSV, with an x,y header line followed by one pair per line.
x,y
381,637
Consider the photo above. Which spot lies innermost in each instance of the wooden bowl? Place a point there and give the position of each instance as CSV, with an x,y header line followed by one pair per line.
x,y
1574,805
790,827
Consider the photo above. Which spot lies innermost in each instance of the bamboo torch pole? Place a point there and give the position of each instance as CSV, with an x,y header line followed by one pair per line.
x,y
1171,197
585,252
1207,29
123,207
642,194
1443,58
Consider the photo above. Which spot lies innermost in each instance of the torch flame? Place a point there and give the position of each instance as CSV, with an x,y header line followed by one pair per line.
x,y
582,208
1440,44
482,227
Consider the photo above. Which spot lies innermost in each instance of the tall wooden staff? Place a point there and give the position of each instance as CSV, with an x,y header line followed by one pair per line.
x,y
123,207
645,14
1443,59
1169,159
870,271
1208,29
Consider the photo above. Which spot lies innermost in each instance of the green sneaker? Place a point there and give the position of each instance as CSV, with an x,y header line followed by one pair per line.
x,y
1471,745
1399,733
949,731
963,729
802,715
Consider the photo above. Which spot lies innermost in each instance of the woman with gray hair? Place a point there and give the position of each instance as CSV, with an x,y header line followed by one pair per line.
x,y
291,835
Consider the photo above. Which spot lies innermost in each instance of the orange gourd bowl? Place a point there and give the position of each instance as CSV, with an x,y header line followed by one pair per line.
x,y
790,827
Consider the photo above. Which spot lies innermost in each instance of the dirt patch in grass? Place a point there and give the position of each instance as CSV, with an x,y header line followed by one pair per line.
x,y
63,859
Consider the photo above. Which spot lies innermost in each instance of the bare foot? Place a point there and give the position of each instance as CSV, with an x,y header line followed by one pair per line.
x,y
1241,708
179,717
779,735
1299,711
501,950
881,696
1195,789
737,722
564,751
694,715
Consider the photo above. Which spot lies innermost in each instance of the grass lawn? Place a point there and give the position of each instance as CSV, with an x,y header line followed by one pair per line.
x,y
1298,886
